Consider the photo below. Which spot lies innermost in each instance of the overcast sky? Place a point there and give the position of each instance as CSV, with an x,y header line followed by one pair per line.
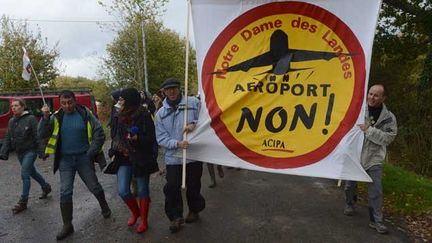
x,y
81,44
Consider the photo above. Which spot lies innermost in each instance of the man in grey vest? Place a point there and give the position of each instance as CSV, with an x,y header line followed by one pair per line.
x,y
380,129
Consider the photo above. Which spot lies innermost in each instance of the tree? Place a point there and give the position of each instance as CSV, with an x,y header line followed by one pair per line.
x,y
131,10
402,60
165,57
14,36
412,20
165,50
100,90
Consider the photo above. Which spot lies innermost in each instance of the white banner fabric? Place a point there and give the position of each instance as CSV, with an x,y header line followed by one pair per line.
x,y
26,72
283,84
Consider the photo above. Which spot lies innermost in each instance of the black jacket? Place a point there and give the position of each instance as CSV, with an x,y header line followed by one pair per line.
x,y
21,135
142,150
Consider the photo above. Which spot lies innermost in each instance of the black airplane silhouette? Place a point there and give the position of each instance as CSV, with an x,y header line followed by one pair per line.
x,y
280,57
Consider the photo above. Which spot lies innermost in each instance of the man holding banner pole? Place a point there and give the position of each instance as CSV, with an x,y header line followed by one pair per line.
x,y
170,128
380,129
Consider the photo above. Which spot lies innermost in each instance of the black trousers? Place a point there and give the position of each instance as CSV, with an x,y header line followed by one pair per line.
x,y
173,194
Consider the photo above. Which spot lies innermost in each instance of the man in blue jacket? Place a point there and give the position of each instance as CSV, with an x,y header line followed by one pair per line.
x,y
169,134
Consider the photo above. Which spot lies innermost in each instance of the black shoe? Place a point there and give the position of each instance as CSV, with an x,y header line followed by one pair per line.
x,y
45,191
106,212
67,230
176,225
192,217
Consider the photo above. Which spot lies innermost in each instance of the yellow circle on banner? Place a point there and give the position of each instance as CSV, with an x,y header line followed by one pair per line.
x,y
303,93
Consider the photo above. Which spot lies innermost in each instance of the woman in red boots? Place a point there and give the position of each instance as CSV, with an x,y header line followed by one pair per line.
x,y
132,147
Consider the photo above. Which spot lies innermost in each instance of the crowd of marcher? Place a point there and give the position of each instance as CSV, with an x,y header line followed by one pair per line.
x,y
140,124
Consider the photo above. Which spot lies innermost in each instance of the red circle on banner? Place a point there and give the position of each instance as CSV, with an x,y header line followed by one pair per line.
x,y
299,8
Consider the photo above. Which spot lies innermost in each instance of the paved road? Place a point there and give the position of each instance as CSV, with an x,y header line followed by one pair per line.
x,y
246,206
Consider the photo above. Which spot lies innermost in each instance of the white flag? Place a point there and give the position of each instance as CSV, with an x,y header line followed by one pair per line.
x,y
283,84
26,72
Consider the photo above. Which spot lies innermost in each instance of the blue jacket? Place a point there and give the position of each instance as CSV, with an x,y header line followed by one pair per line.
x,y
169,126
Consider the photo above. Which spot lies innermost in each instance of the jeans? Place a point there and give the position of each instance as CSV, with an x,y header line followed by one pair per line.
x,y
375,193
28,170
69,165
173,194
124,177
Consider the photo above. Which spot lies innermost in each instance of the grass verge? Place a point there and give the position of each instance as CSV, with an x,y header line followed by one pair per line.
x,y
405,192
407,196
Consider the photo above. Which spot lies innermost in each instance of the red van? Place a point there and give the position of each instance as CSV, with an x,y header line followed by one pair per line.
x,y
34,103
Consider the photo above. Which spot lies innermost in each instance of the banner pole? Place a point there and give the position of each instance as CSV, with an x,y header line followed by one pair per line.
x,y
186,93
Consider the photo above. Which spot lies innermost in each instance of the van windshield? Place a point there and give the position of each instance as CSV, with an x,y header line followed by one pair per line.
x,y
34,105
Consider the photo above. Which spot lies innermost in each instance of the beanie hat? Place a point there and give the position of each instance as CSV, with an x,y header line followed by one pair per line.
x,y
131,97
116,94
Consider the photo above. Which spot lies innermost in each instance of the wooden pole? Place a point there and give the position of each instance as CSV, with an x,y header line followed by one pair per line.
x,y
186,93
38,83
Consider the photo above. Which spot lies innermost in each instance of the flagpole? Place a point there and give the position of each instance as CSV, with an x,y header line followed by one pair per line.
x,y
40,89
186,93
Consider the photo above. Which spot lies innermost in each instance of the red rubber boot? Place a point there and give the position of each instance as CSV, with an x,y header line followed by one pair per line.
x,y
144,208
133,207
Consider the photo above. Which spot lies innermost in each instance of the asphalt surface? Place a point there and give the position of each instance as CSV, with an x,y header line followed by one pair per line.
x,y
246,206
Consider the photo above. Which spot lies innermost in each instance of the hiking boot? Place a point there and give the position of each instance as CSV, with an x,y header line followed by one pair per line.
x,y
176,225
379,227
45,191
349,210
20,206
192,217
